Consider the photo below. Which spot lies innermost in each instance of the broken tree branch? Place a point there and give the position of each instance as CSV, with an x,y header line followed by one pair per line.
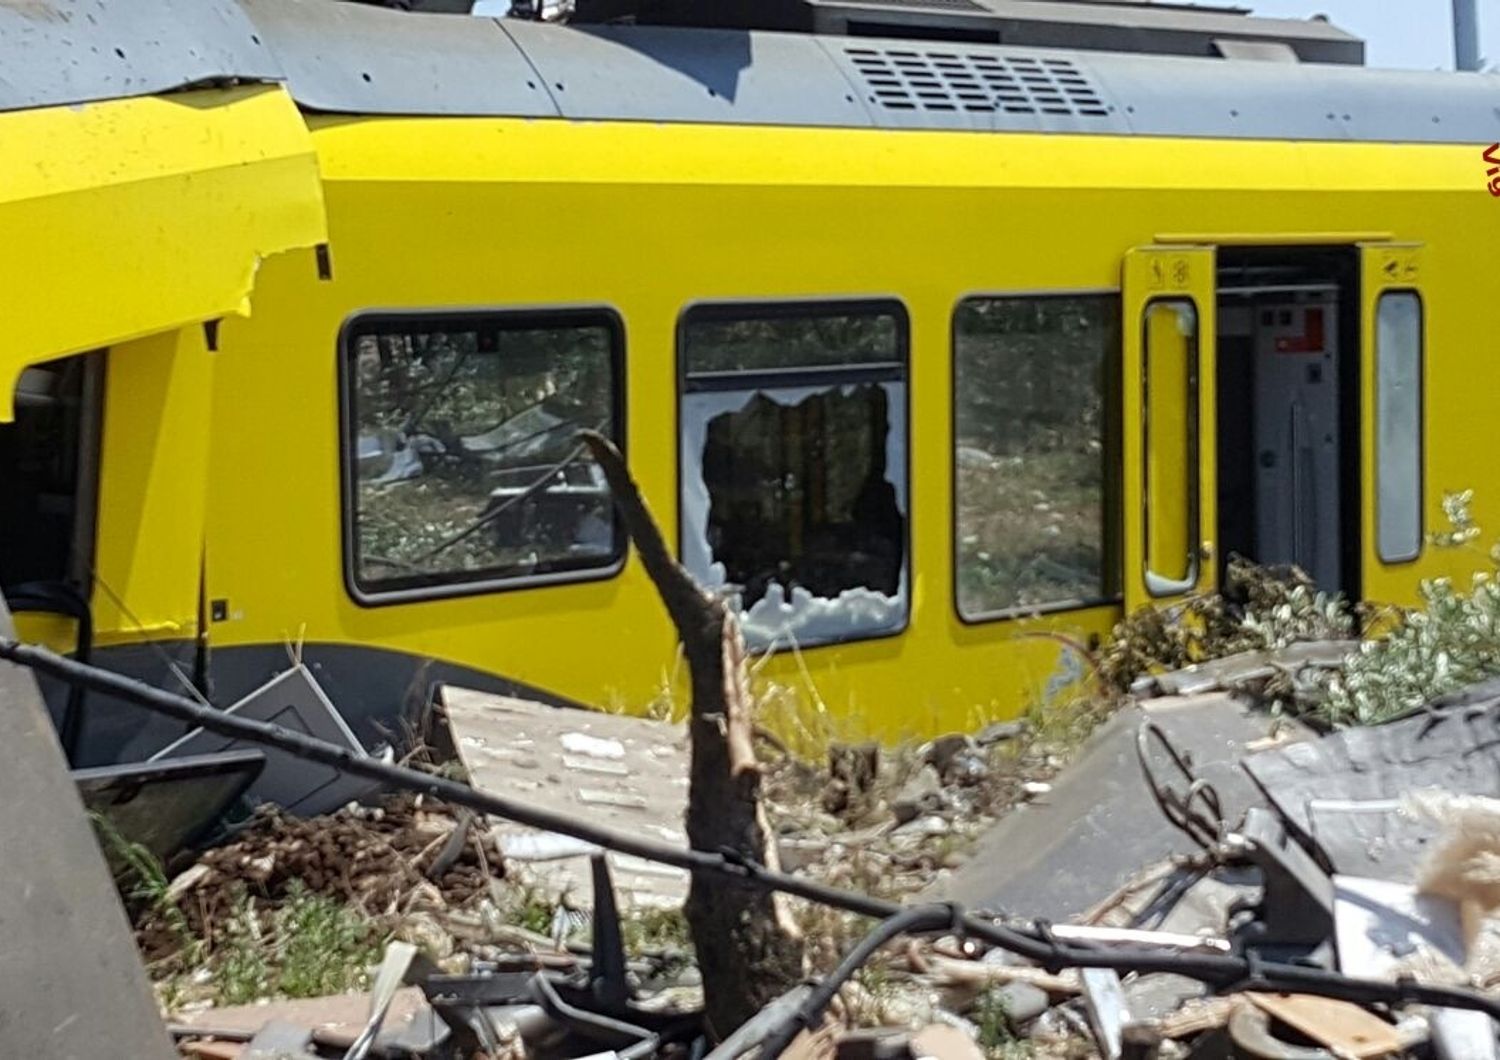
x,y
749,952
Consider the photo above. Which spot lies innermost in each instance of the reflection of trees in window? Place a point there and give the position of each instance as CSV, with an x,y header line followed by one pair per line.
x,y
1030,385
800,495
467,467
792,416
771,344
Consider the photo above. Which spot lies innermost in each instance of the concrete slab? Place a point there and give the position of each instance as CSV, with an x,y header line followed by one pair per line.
x,y
1099,826
622,772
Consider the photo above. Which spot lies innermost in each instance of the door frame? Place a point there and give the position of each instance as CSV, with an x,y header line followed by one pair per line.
x,y
1151,276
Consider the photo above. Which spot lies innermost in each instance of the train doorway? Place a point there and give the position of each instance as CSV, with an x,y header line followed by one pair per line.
x,y
1288,413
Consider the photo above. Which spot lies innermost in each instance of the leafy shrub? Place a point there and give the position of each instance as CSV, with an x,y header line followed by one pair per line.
x,y
1259,609
1450,641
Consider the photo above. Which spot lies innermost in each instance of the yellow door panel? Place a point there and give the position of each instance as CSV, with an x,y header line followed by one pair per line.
x,y
1168,422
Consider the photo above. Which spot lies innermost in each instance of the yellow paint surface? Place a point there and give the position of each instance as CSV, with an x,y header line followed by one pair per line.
x,y
134,217
649,219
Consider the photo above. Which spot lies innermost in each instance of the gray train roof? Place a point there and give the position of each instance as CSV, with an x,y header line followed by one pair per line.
x,y
354,59
56,52
349,58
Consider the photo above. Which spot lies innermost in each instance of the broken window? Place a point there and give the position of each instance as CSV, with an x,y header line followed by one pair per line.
x,y
1031,450
465,466
794,466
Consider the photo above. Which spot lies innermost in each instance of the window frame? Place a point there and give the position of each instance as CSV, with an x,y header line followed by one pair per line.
x,y
367,321
1421,499
795,307
1194,382
1113,457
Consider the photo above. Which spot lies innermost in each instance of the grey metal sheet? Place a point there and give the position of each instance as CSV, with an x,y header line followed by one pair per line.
x,y
71,979
165,806
1343,791
1371,837
1208,98
688,75
911,85
1256,51
1280,101
1099,826
355,59
1413,106
294,701
57,52
620,772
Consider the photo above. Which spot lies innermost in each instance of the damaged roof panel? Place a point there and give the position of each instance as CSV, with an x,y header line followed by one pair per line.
x,y
194,191
54,52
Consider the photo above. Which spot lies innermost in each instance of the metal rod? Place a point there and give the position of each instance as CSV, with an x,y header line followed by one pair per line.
x,y
910,921
1165,940
1466,34
1251,290
1035,942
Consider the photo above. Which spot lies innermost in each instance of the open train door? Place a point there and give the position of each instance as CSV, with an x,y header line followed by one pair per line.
x,y
1168,399
1393,341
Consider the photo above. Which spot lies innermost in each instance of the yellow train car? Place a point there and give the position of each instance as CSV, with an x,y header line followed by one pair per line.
x,y
137,203
936,355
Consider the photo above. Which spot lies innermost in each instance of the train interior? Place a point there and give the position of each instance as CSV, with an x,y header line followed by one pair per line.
x,y
51,453
1288,411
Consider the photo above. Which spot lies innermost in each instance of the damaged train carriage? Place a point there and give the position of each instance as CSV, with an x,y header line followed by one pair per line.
x,y
137,209
935,356
928,389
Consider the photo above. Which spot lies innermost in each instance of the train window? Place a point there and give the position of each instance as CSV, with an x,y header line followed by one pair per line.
x,y
1170,404
1030,379
1398,431
464,470
793,463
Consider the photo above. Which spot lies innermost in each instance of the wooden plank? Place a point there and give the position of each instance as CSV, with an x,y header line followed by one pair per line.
x,y
1341,1026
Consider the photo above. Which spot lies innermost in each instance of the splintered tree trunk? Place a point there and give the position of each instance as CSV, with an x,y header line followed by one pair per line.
x,y
749,952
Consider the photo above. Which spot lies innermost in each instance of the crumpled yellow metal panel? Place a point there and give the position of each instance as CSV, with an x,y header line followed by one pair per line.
x,y
134,217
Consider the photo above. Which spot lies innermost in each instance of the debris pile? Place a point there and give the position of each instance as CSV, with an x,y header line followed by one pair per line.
x,y
1207,878
408,850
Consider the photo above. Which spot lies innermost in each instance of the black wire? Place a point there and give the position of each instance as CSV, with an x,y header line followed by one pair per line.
x,y
1220,972
908,921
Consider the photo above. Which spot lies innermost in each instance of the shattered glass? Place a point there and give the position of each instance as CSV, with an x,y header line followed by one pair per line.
x,y
794,496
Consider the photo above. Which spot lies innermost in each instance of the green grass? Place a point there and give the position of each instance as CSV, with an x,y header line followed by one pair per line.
x,y
998,1041
309,946
305,946
143,882
654,930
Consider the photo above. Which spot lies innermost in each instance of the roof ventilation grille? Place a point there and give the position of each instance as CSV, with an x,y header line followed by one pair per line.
x,y
907,79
